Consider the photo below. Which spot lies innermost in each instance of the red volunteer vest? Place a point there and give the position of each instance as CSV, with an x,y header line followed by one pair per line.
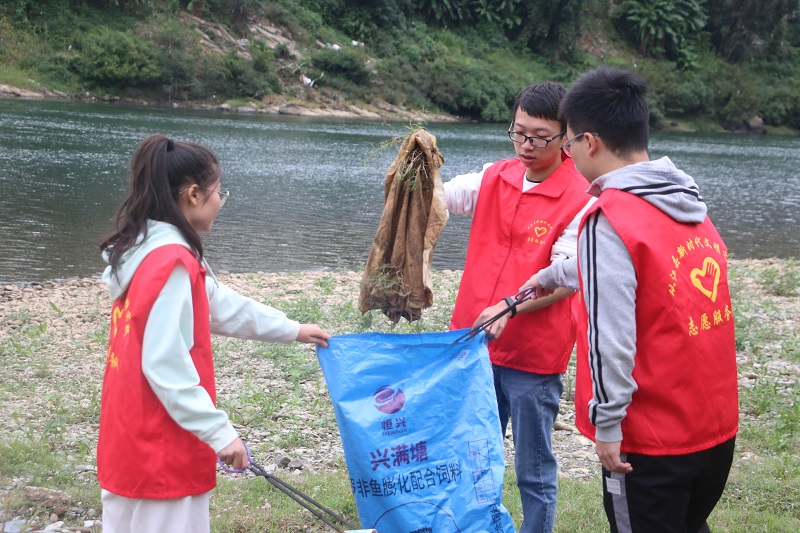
x,y
511,238
685,363
142,452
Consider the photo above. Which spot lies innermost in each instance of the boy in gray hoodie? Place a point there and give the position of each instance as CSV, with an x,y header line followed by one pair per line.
x,y
656,383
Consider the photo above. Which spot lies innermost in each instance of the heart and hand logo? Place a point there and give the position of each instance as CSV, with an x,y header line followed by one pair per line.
x,y
706,279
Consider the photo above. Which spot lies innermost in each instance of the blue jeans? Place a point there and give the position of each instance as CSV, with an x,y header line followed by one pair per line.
x,y
531,400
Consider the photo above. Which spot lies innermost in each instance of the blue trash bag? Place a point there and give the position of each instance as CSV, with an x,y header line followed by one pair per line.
x,y
421,434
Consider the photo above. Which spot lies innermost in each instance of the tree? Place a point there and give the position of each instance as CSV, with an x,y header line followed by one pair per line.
x,y
547,27
550,27
744,28
662,28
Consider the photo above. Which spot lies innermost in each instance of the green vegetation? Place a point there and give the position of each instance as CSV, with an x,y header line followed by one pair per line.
x,y
782,281
709,62
663,28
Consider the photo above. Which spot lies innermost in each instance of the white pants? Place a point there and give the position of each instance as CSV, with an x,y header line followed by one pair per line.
x,y
140,515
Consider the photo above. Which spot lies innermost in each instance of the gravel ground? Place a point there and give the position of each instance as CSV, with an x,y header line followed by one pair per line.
x,y
73,345
53,343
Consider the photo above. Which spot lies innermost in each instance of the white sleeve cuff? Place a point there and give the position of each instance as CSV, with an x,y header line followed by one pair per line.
x,y
222,437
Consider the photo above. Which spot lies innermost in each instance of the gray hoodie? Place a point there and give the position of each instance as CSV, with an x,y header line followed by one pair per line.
x,y
670,190
168,337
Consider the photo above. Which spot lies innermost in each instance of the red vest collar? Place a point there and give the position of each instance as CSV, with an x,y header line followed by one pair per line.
x,y
553,187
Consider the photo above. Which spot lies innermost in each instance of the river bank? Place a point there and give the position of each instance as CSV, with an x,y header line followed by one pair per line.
x,y
314,105
53,339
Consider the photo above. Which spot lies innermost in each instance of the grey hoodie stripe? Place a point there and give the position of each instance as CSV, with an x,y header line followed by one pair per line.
x,y
595,357
656,186
661,188
670,191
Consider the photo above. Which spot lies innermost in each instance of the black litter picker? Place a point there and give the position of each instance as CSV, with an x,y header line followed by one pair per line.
x,y
511,301
323,513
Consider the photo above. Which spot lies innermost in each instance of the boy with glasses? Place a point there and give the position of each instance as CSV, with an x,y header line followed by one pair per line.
x,y
525,214
657,381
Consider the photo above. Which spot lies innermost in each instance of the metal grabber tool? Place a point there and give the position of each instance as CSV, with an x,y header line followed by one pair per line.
x,y
305,501
512,301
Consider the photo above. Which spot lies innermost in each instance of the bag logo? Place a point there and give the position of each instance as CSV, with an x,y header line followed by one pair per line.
x,y
389,400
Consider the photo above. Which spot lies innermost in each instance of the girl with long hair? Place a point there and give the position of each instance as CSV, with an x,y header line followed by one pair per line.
x,y
160,430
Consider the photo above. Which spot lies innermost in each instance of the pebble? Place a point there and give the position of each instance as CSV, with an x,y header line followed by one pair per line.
x,y
580,471
13,526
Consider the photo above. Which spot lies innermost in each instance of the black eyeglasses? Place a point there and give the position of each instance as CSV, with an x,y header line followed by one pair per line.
x,y
566,145
535,140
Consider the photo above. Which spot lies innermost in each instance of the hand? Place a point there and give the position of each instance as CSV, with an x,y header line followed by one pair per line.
x,y
608,452
534,282
494,330
235,455
313,333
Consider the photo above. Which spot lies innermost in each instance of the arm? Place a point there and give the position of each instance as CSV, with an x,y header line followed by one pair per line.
x,y
563,270
170,371
494,331
235,315
563,257
561,273
461,192
567,243
609,290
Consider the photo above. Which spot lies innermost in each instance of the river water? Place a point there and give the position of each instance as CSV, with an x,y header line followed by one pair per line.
x,y
307,194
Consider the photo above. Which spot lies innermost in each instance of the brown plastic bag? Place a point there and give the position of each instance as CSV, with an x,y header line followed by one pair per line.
x,y
397,277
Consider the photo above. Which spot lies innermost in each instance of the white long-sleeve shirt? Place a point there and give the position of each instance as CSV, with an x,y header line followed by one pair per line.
x,y
166,361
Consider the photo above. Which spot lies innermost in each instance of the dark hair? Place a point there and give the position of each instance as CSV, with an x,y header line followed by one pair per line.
x,y
541,100
160,170
612,102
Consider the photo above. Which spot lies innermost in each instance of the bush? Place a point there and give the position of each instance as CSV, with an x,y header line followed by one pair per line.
x,y
485,94
677,93
117,59
176,51
229,75
347,64
302,23
662,28
467,89
264,64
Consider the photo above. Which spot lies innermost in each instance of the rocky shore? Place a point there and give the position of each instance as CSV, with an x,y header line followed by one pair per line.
x,y
318,107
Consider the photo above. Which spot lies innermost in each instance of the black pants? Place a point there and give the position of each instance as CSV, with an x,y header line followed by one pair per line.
x,y
670,494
